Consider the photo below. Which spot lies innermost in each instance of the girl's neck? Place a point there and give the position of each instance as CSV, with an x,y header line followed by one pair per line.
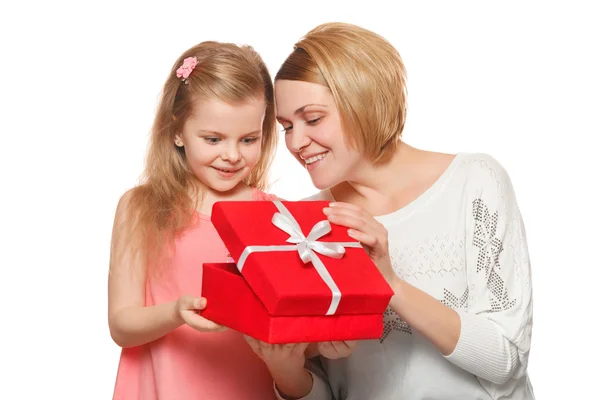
x,y
208,197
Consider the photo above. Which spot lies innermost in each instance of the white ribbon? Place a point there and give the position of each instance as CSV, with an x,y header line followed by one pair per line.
x,y
307,247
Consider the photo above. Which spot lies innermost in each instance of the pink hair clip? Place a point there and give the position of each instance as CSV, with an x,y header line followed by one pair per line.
x,y
186,68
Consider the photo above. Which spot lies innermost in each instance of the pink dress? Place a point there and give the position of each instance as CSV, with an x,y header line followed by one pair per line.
x,y
186,364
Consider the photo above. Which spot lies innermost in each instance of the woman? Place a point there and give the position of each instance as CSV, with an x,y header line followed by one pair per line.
x,y
447,235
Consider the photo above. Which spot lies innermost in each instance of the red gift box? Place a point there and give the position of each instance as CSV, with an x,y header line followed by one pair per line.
x,y
297,278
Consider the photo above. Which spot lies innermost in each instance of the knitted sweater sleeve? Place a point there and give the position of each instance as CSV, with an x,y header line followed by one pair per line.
x,y
495,332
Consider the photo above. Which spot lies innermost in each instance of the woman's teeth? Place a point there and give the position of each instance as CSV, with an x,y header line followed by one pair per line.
x,y
315,158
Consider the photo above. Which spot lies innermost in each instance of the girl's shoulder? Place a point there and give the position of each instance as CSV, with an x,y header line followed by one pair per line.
x,y
259,195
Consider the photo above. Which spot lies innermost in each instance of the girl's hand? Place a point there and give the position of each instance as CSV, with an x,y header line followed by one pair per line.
x,y
369,232
335,350
187,309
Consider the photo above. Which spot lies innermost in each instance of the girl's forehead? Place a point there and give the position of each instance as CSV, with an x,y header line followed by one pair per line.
x,y
225,118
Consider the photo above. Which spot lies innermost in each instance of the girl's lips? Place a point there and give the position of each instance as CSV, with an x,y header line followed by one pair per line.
x,y
226,172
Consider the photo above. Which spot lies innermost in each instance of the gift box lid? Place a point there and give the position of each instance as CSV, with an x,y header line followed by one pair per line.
x,y
290,256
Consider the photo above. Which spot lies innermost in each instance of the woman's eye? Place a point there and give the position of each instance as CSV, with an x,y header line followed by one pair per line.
x,y
313,121
249,140
287,129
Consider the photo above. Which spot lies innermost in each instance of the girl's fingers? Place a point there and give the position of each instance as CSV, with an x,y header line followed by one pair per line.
x,y
202,323
188,302
199,303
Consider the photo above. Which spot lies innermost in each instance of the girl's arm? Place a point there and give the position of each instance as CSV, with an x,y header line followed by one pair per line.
x,y
130,322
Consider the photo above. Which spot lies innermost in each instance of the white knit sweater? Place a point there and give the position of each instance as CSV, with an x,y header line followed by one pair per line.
x,y
463,242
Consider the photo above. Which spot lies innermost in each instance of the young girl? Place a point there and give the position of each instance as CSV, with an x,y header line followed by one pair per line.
x,y
213,139
447,236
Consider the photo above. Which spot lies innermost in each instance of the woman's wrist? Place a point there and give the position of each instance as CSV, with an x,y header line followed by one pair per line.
x,y
397,286
293,383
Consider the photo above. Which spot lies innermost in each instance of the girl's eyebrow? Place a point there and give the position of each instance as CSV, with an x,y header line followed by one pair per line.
x,y
221,134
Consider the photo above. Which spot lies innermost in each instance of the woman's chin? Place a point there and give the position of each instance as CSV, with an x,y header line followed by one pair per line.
x,y
323,183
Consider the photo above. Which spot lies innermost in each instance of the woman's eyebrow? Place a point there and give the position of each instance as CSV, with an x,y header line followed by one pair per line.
x,y
301,109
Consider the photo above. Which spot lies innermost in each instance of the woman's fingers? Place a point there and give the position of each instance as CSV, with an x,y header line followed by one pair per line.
x,y
349,220
342,205
360,229
365,239
337,349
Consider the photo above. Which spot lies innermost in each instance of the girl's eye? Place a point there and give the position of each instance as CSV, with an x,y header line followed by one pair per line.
x,y
249,140
313,121
212,140
287,129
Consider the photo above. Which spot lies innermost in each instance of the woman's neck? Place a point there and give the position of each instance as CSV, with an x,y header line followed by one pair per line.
x,y
382,189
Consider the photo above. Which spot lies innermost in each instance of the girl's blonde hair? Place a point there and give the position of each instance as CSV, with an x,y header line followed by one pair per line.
x,y
366,77
163,204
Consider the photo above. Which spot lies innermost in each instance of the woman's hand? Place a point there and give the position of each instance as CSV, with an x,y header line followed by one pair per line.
x,y
331,350
335,350
369,232
285,362
288,356
187,310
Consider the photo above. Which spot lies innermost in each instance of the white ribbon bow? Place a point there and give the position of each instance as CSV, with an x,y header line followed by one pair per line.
x,y
306,246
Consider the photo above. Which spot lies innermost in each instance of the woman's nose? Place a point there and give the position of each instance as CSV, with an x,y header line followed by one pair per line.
x,y
297,140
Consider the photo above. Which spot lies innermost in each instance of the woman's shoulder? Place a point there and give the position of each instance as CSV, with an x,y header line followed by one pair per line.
x,y
484,168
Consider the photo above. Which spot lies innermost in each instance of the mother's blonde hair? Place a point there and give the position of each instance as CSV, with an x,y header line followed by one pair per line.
x,y
366,77
163,204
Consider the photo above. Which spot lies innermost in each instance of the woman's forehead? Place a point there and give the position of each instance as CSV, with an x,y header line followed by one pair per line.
x,y
292,96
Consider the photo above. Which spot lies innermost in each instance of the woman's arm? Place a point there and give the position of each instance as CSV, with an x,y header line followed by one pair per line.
x,y
491,341
438,323
294,377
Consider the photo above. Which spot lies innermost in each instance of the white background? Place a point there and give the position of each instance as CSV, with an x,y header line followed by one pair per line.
x,y
79,85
